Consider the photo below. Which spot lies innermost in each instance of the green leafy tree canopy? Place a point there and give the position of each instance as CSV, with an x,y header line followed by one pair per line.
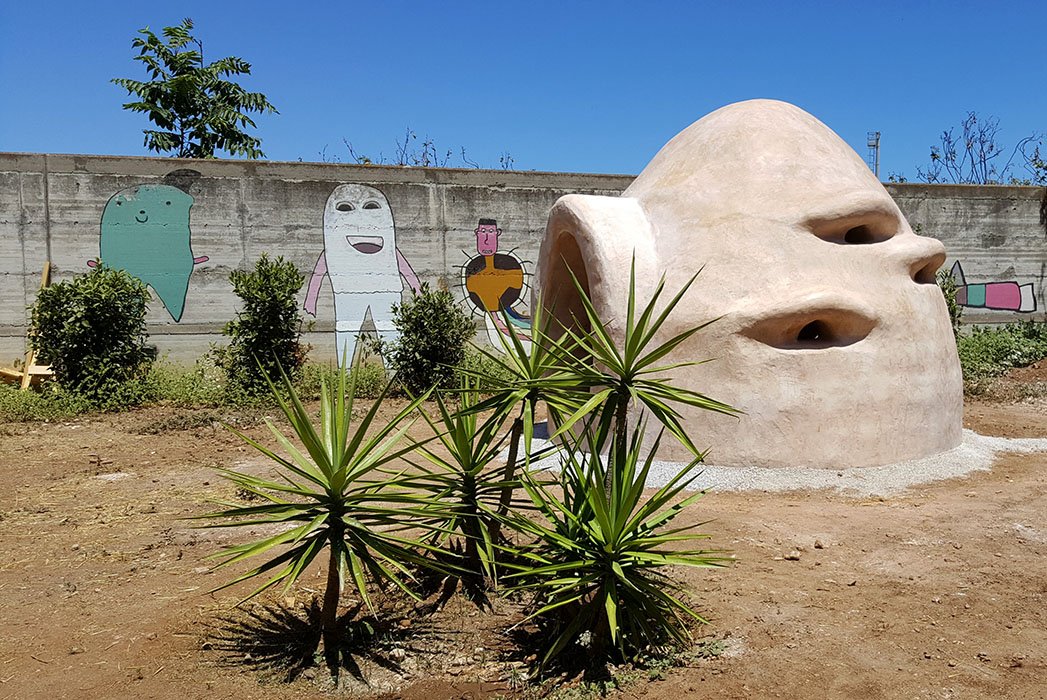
x,y
197,110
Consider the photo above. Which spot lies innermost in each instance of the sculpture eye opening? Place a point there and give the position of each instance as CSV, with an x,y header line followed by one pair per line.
x,y
861,235
812,326
814,332
372,205
864,226
344,206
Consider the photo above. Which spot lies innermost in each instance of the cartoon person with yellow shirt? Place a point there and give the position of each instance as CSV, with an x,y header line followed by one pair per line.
x,y
495,283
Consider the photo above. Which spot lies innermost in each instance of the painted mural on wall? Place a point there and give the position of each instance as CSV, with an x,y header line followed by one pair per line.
x,y
360,258
145,231
998,296
495,283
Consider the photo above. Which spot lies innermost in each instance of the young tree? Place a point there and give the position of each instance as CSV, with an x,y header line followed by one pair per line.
x,y
197,111
267,331
973,157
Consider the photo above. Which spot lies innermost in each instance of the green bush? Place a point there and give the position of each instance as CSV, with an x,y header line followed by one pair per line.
x,y
266,332
947,283
989,352
433,333
91,330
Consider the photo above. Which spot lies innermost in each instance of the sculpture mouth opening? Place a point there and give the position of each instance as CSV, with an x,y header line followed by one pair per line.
x,y
816,325
368,245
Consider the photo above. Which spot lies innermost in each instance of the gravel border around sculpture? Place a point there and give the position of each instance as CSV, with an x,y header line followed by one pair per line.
x,y
975,453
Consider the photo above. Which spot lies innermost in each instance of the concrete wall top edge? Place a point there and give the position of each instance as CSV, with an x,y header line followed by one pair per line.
x,y
289,170
341,172
911,189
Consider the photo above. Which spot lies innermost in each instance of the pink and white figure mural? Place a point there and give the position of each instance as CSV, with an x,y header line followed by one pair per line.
x,y
496,285
360,258
997,296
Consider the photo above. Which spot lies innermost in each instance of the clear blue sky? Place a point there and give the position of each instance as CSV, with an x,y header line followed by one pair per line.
x,y
574,86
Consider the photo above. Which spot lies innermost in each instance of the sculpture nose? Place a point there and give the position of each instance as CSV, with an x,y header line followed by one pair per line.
x,y
919,256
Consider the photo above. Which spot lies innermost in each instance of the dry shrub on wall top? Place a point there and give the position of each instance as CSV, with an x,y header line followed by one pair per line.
x,y
91,330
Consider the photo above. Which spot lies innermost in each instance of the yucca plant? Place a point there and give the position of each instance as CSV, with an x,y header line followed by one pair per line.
x,y
335,492
464,480
526,376
598,564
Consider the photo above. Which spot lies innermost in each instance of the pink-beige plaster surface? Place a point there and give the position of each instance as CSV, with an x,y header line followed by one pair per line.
x,y
832,338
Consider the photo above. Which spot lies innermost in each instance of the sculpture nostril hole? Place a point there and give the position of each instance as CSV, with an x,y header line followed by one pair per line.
x,y
815,332
926,271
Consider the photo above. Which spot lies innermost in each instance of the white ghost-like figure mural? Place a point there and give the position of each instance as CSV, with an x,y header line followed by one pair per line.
x,y
361,260
833,337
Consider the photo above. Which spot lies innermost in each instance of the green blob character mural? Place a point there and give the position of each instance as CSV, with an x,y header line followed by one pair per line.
x,y
145,231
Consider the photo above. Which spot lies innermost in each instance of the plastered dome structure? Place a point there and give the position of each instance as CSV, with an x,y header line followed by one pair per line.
x,y
833,337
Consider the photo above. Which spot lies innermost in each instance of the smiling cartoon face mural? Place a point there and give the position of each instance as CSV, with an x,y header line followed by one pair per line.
x,y
145,231
362,262
834,339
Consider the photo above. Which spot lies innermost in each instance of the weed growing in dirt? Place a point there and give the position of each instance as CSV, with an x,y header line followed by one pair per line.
x,y
370,381
202,384
989,352
50,404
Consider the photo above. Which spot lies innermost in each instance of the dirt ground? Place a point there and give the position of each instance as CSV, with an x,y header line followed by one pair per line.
x,y
940,592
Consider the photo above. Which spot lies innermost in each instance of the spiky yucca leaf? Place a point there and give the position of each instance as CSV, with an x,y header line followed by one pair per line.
x,y
529,374
464,480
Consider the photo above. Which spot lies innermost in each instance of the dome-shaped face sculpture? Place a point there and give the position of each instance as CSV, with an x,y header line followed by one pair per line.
x,y
834,338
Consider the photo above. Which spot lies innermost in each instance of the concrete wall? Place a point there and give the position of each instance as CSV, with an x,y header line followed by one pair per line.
x,y
997,234
64,208
51,207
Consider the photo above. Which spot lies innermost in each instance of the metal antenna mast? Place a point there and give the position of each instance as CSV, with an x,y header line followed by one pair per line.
x,y
873,156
